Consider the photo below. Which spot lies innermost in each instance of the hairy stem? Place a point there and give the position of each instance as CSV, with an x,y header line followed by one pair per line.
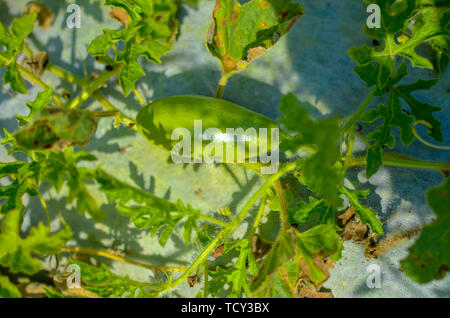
x,y
354,118
398,160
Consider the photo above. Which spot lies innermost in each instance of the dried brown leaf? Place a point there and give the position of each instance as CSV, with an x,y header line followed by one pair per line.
x,y
219,251
192,280
44,14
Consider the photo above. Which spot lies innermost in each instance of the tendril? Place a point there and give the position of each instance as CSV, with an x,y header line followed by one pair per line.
x,y
428,125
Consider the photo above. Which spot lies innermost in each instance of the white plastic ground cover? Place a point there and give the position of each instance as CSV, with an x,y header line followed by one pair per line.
x,y
311,62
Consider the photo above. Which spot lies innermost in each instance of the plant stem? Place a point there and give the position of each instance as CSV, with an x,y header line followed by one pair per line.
x,y
393,159
105,254
214,221
258,218
96,85
81,82
68,77
44,205
105,114
354,118
283,206
222,83
237,221
138,95
36,80
205,283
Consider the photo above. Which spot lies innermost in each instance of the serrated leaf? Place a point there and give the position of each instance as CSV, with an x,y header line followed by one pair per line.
x,y
366,215
42,99
323,241
305,210
241,33
12,76
62,166
8,289
406,24
235,275
56,129
20,29
393,116
148,211
136,9
132,71
17,253
318,171
429,257
25,181
421,110
101,281
150,34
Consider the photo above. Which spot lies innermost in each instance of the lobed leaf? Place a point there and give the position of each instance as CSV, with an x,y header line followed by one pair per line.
x,y
366,215
147,211
56,129
240,34
17,253
104,283
319,171
13,41
8,289
429,257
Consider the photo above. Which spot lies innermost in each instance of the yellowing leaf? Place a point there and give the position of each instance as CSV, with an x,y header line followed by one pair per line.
x,y
240,34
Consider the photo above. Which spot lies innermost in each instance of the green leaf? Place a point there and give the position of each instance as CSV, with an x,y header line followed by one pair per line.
x,y
132,72
17,253
61,166
26,180
236,275
101,45
305,210
8,289
150,34
12,76
56,129
322,241
101,281
319,171
42,100
366,215
394,115
240,34
283,283
20,28
406,24
429,257
147,211
135,9
420,110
